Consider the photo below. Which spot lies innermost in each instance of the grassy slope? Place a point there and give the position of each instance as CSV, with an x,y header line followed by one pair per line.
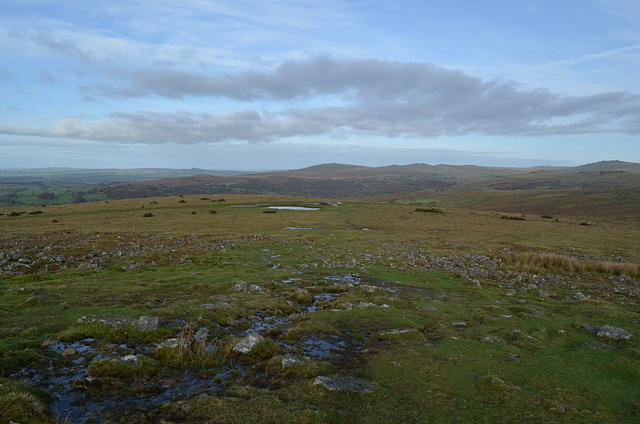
x,y
555,381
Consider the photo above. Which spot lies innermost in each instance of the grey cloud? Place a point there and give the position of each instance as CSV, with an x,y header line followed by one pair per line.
x,y
371,97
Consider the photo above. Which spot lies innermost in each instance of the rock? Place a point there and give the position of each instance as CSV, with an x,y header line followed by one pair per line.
x,y
593,329
488,340
173,343
248,288
370,289
130,359
69,352
136,266
597,345
579,296
459,324
149,323
288,361
429,308
496,380
538,314
114,321
614,333
514,357
351,384
248,343
392,332
511,292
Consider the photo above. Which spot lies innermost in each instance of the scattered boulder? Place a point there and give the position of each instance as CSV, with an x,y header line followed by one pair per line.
x,y
248,343
597,345
350,384
289,361
545,293
69,352
114,321
248,288
130,359
429,308
593,329
488,340
370,289
133,266
614,333
579,296
149,323
173,343
460,324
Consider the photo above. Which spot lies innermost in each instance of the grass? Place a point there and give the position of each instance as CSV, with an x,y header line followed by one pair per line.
x,y
553,262
426,273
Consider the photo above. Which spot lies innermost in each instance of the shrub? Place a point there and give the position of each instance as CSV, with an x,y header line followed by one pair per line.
x,y
147,215
513,218
428,210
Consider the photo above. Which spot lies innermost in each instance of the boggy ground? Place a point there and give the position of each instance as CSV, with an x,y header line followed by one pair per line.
x,y
452,317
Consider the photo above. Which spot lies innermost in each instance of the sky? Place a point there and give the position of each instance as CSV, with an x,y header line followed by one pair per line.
x,y
257,85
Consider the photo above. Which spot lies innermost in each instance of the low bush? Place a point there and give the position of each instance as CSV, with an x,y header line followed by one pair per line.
x,y
428,210
513,218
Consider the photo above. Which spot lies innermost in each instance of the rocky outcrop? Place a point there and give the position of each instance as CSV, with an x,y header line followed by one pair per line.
x,y
243,287
614,333
247,344
149,323
114,321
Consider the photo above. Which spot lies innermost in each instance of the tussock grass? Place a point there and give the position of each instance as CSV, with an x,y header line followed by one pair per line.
x,y
534,262
193,352
22,403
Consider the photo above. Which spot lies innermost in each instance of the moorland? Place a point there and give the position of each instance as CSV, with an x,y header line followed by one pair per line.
x,y
485,295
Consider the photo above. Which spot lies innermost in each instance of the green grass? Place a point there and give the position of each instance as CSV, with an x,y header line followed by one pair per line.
x,y
427,366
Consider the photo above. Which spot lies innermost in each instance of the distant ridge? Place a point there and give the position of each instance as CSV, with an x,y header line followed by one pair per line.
x,y
607,165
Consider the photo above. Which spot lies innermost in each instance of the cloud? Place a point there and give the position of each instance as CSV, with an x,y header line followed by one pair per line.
x,y
592,57
345,97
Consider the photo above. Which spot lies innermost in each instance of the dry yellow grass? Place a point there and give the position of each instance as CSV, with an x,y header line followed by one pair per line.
x,y
550,263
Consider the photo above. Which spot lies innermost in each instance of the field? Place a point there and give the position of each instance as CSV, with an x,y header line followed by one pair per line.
x,y
366,312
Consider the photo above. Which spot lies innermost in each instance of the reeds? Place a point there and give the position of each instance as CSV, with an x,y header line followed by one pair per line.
x,y
195,351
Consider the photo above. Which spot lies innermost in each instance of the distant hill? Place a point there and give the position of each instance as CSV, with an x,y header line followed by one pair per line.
x,y
607,165
602,188
95,176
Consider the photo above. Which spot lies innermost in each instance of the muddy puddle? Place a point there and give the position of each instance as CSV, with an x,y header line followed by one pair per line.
x,y
79,398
